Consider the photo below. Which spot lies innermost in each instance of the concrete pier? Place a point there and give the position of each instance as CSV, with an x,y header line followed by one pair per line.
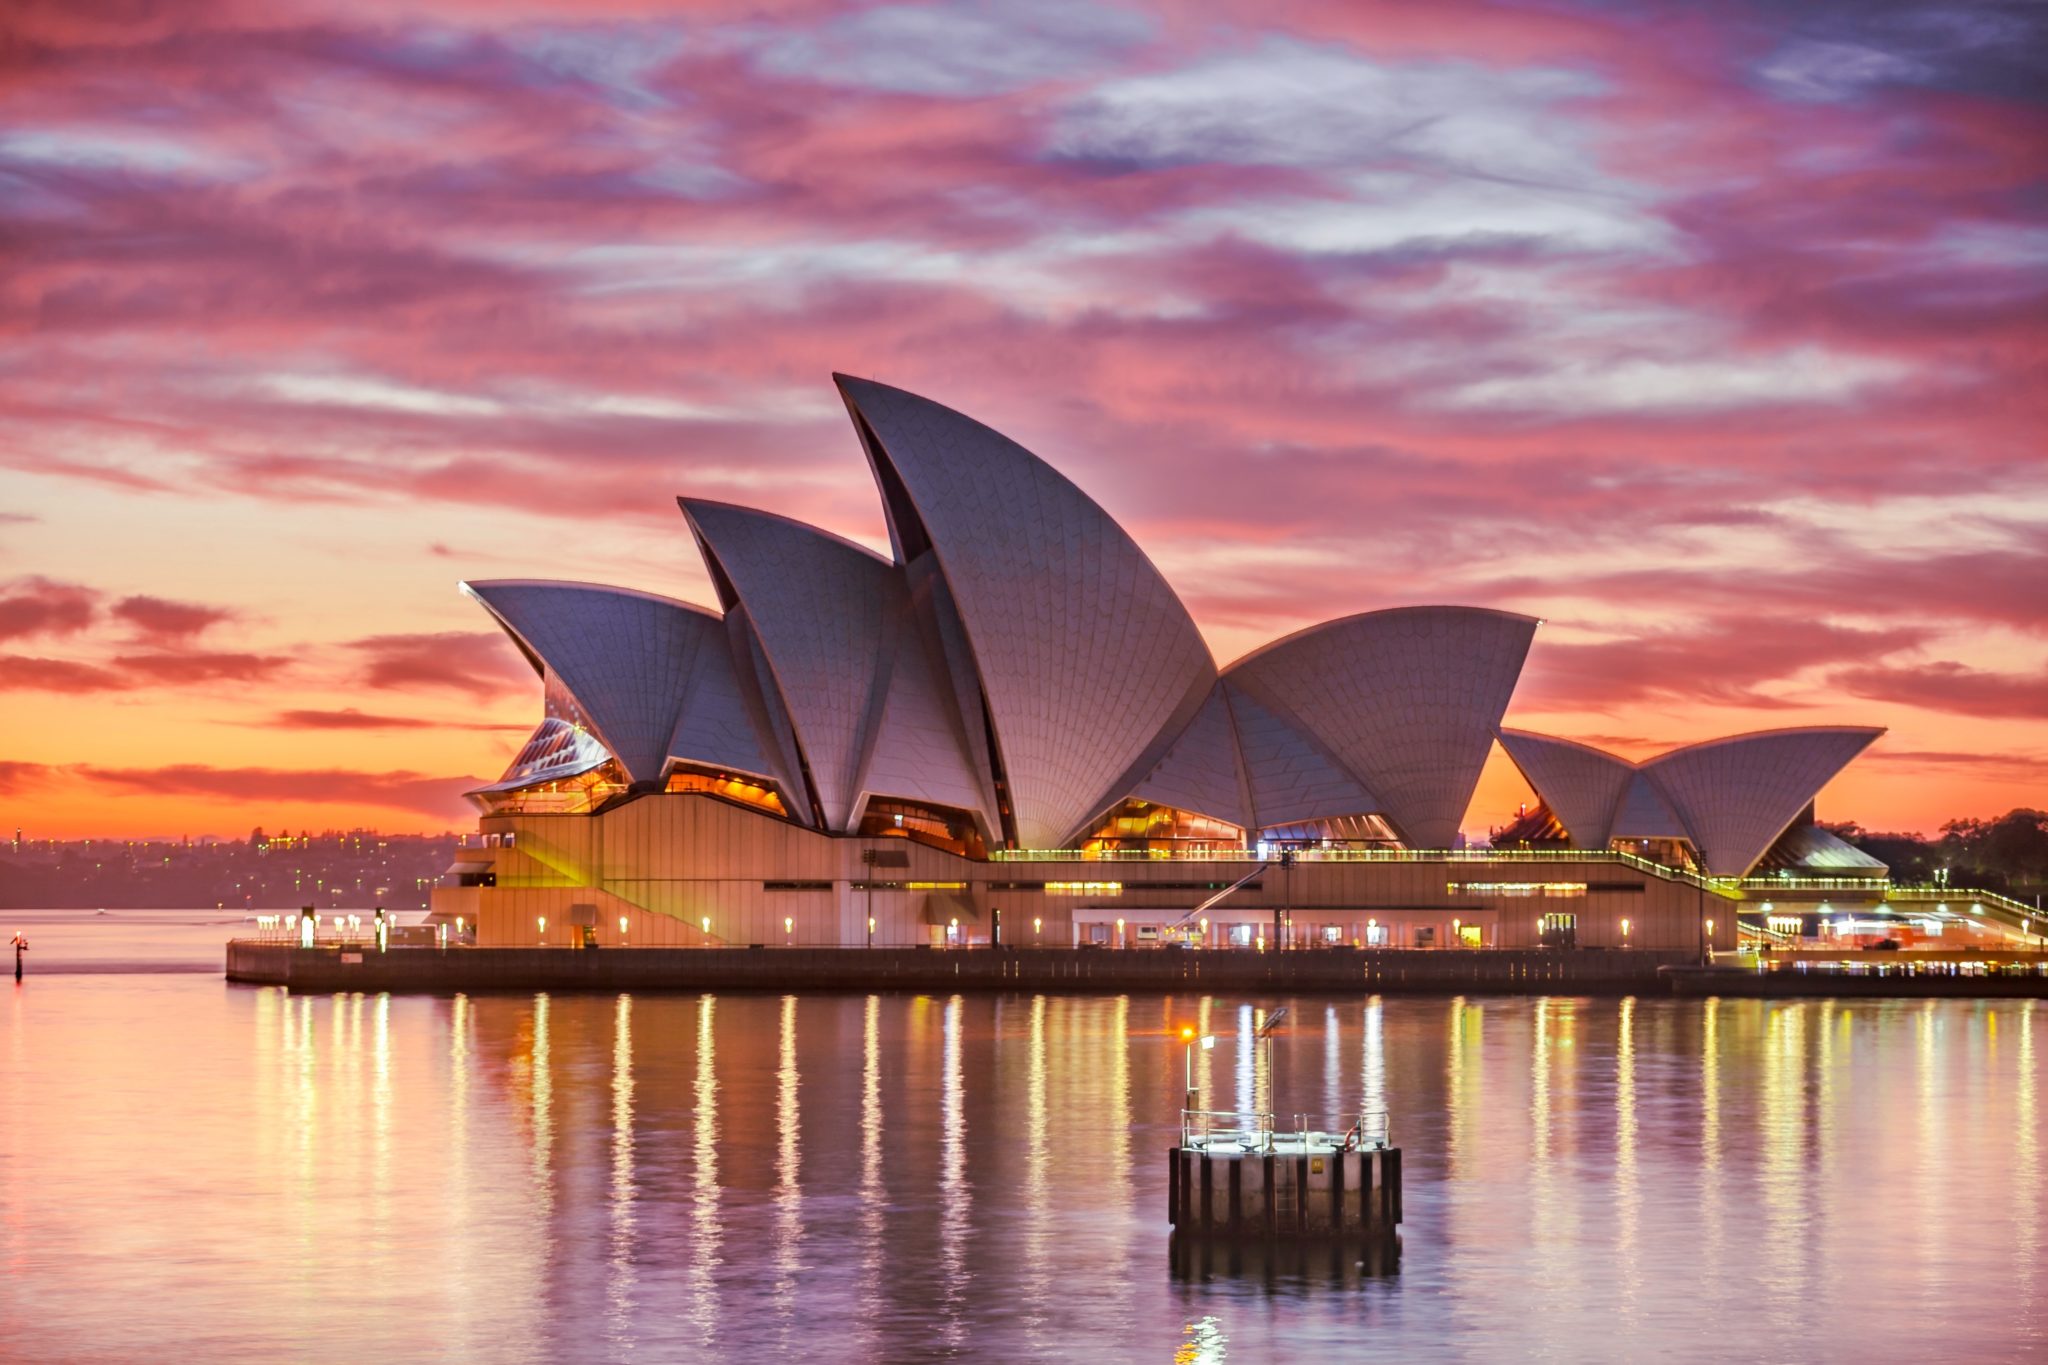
x,y
1284,1190
1893,976
445,971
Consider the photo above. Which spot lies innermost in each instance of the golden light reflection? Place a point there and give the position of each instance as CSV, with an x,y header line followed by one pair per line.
x,y
1037,1176
954,1216
456,1167
871,1192
619,1280
1782,1181
541,1081
1333,1065
1710,1131
789,1227
702,1299
1628,1199
2027,1140
1373,1058
1463,1060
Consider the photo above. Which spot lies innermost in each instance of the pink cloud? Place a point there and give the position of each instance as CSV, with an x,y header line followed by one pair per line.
x,y
480,663
38,606
21,673
159,620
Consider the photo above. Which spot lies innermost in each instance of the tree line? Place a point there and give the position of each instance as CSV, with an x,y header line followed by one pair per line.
x,y
2008,854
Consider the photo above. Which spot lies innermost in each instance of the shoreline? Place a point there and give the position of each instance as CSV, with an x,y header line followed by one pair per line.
x,y
435,971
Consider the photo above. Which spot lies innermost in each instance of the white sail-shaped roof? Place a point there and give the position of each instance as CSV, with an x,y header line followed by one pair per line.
x,y
1582,785
919,751
1644,813
1200,771
623,658
1291,776
1406,699
820,607
718,727
833,623
1084,653
1737,795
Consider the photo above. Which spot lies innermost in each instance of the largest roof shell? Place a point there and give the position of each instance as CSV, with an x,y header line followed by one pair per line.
x,y
1089,663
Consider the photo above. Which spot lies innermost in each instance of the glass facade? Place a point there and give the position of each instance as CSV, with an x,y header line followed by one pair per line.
x,y
887,817
1141,825
741,790
573,795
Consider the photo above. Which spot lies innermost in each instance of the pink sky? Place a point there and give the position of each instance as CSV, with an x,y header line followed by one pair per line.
x,y
1713,337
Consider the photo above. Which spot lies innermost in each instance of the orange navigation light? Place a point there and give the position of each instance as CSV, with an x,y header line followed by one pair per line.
x,y
1187,1035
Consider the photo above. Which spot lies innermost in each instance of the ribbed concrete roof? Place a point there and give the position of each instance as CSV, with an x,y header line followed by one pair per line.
x,y
833,621
821,607
1083,651
624,657
1201,771
650,676
1582,785
1731,797
1738,794
1406,700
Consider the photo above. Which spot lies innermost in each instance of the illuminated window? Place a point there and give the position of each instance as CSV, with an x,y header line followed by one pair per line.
x,y
564,796
1556,890
933,826
750,792
1084,888
1142,826
1341,831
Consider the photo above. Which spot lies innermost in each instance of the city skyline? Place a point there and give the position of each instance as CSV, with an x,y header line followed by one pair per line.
x,y
1706,340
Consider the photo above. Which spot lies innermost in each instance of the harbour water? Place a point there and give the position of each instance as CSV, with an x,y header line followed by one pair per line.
x,y
214,1172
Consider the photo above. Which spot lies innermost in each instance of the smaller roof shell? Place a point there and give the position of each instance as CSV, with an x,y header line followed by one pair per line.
x,y
1406,700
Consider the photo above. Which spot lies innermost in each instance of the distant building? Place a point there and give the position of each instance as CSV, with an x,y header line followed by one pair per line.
x,y
1011,728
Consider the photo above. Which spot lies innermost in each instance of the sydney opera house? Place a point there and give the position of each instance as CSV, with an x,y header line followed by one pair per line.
x,y
1010,730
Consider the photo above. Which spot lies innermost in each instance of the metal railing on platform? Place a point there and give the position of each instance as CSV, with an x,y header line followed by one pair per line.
x,y
1205,1130
1239,1131
1725,887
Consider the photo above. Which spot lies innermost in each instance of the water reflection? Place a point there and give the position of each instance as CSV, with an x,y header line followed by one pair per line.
x,y
619,1281
788,1190
887,1177
702,1299
953,1194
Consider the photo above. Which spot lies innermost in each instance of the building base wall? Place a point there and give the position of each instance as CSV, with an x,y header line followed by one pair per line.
x,y
688,871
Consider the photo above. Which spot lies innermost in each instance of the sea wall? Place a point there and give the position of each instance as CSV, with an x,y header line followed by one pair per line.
x,y
444,971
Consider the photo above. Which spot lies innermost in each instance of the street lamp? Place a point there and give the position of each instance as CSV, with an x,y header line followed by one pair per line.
x,y
543,931
1037,925
788,928
871,931
706,924
622,928
1624,933
1119,931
